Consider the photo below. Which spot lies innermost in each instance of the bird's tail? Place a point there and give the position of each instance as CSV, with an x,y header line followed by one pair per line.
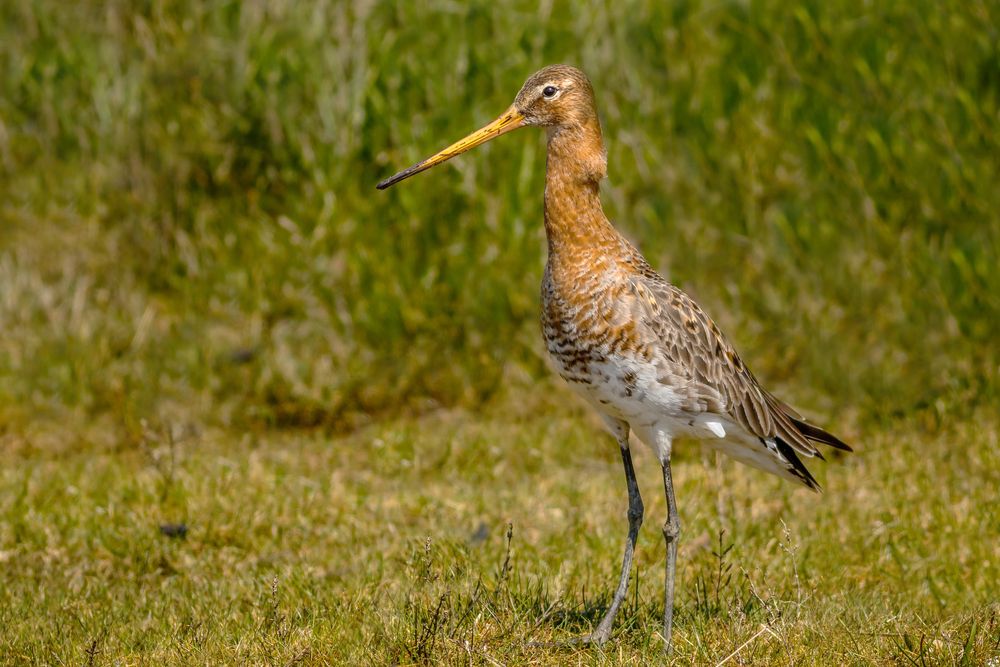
x,y
816,434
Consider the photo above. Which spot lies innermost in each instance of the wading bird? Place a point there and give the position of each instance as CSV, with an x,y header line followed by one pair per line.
x,y
633,345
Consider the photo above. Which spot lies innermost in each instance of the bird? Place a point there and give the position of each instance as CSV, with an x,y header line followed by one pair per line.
x,y
634,346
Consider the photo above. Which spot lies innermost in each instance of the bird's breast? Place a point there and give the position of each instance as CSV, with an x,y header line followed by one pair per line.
x,y
585,323
599,344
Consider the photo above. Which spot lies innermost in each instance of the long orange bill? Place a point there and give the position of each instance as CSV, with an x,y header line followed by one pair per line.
x,y
511,119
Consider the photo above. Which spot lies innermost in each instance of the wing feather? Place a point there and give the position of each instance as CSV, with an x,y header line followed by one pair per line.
x,y
717,378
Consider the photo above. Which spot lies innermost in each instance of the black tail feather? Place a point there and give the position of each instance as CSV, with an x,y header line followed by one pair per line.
x,y
819,435
798,468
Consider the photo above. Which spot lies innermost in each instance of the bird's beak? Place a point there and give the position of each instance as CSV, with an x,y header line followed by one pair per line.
x,y
511,119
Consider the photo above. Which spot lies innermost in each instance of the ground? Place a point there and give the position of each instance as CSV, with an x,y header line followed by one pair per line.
x,y
459,538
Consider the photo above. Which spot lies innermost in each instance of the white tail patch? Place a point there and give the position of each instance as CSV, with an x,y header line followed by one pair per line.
x,y
716,428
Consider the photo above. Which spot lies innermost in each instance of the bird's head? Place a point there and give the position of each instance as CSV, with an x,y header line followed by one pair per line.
x,y
555,96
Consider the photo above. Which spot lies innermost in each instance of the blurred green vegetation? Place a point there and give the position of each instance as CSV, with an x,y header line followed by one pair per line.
x,y
188,219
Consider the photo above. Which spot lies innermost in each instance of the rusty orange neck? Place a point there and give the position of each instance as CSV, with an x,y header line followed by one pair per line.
x,y
574,218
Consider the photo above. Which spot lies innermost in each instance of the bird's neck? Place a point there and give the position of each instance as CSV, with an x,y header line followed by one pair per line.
x,y
574,218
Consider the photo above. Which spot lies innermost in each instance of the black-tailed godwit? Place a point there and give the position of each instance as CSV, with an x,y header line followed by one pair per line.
x,y
637,348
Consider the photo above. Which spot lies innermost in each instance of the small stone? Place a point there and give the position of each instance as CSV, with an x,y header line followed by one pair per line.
x,y
175,530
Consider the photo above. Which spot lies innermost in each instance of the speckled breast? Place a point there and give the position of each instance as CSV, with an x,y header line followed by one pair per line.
x,y
578,330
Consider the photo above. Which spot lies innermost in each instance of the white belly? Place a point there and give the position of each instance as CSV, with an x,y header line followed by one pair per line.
x,y
631,391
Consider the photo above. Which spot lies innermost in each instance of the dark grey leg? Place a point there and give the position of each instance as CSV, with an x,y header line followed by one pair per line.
x,y
671,531
635,510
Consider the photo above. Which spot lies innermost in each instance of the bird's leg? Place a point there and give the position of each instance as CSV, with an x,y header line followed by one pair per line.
x,y
635,511
671,531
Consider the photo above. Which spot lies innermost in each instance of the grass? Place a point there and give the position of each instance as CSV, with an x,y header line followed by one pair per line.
x,y
210,317
390,546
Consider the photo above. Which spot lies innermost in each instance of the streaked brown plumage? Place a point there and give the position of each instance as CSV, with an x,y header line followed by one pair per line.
x,y
637,348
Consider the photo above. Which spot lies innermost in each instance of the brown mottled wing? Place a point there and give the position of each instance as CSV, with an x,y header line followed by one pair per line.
x,y
718,381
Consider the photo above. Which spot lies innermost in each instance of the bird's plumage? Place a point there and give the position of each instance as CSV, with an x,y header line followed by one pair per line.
x,y
638,348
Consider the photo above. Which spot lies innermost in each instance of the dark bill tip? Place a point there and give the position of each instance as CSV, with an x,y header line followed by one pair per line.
x,y
406,173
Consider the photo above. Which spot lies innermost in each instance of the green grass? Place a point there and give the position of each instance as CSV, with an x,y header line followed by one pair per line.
x,y
389,545
191,244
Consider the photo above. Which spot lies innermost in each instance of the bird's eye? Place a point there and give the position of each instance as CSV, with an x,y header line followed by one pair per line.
x,y
550,91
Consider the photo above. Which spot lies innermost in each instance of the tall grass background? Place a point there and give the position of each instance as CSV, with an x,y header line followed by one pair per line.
x,y
188,219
